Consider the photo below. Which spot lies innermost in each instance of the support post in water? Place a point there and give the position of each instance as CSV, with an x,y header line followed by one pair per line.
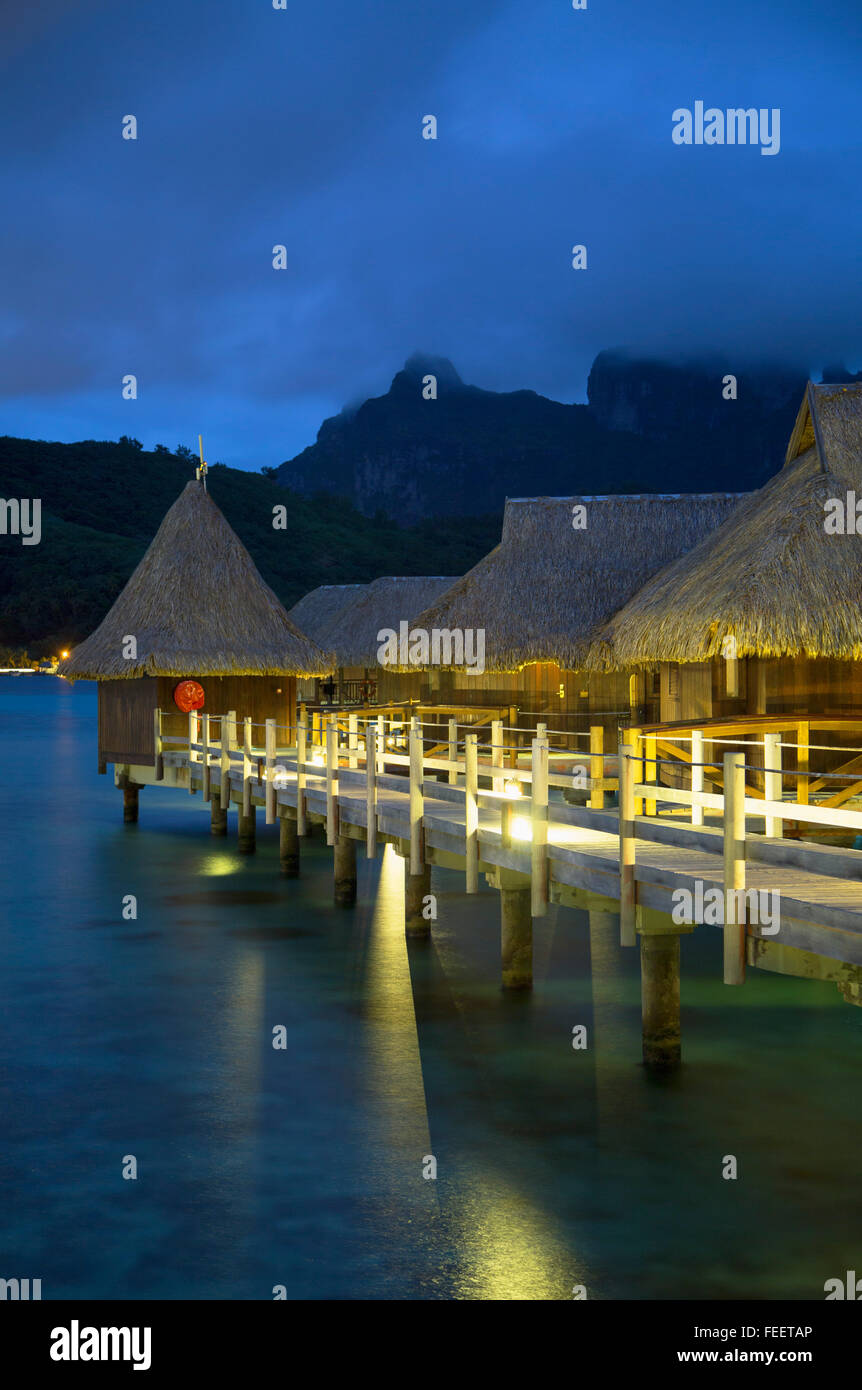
x,y
218,813
246,831
288,845
734,868
660,999
417,887
516,938
130,803
345,871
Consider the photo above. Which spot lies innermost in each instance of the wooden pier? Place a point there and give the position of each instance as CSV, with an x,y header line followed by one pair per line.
x,y
499,810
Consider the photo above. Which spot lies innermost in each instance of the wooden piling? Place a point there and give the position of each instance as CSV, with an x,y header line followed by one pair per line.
x,y
288,845
130,803
218,813
417,887
516,938
345,871
660,999
246,831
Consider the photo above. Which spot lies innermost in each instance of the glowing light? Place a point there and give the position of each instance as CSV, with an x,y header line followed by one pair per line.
x,y
216,865
318,760
63,656
521,828
511,789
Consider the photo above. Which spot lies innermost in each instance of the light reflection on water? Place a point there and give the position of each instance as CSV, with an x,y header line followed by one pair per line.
x,y
303,1166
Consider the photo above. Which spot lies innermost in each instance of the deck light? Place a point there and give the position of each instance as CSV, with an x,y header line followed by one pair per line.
x,y
511,788
521,828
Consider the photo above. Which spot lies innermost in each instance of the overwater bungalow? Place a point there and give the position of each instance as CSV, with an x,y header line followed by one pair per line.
x,y
346,619
564,565
764,615
195,628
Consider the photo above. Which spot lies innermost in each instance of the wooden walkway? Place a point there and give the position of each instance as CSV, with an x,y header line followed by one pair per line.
x,y
786,905
820,886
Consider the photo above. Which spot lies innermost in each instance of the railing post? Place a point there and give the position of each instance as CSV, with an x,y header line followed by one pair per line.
x,y
246,765
471,809
352,726
635,751
772,783
331,781
628,893
734,868
228,743
417,857
380,742
803,738
453,751
158,746
205,756
696,775
597,765
301,737
539,820
193,738
542,733
650,771
496,752
370,791
269,791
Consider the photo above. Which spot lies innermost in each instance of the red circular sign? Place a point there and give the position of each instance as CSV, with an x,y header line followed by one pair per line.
x,y
189,695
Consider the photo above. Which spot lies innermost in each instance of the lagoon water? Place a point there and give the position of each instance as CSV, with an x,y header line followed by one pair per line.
x,y
304,1167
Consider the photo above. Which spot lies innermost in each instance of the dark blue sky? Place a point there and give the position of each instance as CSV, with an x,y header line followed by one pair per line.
x,y
303,127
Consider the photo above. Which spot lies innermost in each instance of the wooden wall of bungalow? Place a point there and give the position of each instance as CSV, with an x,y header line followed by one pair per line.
x,y
126,709
564,700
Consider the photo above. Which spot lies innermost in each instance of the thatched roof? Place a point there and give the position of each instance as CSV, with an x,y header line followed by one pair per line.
x,y
385,603
314,613
196,605
542,592
771,576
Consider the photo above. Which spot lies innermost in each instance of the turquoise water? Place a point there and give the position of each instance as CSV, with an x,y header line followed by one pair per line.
x,y
303,1167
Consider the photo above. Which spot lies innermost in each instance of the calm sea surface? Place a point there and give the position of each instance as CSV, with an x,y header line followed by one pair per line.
x,y
153,1037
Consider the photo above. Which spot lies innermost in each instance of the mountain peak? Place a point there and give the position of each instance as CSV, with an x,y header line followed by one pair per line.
x,y
422,364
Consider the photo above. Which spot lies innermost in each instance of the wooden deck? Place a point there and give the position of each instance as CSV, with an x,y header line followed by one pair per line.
x,y
820,886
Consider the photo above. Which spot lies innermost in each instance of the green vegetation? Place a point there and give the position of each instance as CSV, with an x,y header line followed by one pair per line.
x,y
102,503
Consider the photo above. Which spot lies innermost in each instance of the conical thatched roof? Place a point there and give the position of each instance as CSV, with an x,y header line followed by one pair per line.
x,y
385,603
196,605
542,592
771,576
318,609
